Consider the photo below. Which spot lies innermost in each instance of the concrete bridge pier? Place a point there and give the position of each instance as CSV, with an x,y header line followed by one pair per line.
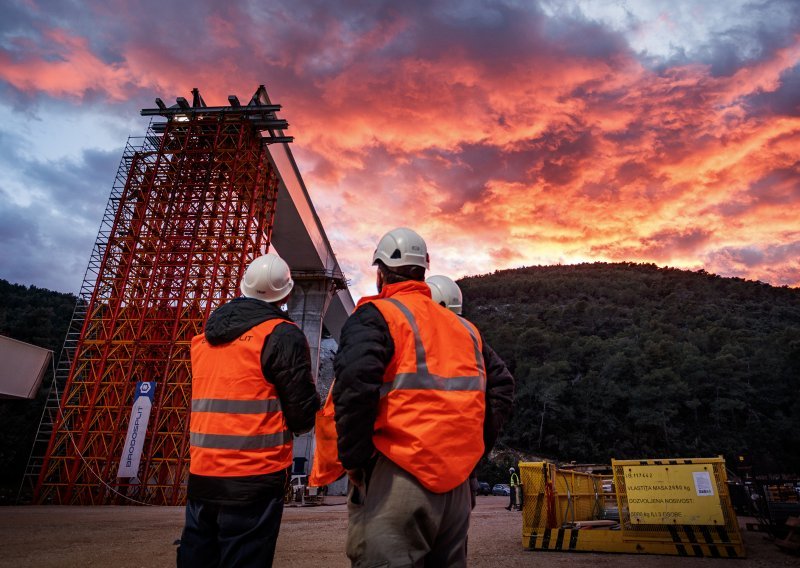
x,y
311,297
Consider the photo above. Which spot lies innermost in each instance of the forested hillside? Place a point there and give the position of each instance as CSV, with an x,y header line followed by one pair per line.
x,y
40,317
632,361
611,360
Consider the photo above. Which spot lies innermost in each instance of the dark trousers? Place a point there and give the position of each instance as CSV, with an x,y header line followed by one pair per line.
x,y
241,536
395,521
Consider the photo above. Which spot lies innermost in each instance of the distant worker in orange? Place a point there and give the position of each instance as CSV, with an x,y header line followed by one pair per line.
x,y
419,397
252,389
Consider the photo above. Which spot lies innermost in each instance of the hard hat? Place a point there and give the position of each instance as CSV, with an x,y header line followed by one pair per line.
x,y
445,292
267,278
511,470
401,247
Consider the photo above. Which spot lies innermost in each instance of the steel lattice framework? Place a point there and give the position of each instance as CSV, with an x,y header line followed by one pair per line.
x,y
193,203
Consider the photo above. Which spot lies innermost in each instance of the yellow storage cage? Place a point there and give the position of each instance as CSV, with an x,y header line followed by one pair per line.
x,y
673,506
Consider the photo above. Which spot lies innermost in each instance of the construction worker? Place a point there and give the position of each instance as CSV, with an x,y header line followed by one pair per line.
x,y
419,397
326,467
512,494
445,292
252,389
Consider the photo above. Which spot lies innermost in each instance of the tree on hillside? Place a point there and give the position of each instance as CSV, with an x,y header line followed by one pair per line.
x,y
635,361
40,317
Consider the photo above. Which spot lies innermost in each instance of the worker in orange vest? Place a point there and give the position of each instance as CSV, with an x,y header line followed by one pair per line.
x,y
419,398
252,389
326,467
446,293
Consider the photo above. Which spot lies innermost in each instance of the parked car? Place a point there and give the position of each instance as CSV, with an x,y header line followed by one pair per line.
x,y
484,488
501,489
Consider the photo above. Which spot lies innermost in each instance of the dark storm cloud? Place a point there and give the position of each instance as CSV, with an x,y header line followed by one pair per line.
x,y
16,19
16,99
667,242
80,186
463,174
566,158
323,38
17,225
50,214
755,256
661,246
39,250
780,187
505,255
784,101
631,172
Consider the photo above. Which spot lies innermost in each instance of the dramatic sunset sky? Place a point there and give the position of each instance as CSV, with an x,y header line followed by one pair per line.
x,y
507,133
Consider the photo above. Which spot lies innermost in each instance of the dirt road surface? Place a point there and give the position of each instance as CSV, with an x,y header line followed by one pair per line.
x,y
142,537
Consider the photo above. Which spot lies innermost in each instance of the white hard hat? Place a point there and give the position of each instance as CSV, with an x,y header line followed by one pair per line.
x,y
401,247
267,278
511,470
445,292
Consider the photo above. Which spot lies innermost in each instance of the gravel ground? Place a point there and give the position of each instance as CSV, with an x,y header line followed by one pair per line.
x,y
129,537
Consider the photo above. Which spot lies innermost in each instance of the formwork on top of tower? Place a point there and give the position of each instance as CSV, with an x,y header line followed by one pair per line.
x,y
205,191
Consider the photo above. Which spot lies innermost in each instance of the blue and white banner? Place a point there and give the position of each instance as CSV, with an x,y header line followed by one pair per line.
x,y
137,429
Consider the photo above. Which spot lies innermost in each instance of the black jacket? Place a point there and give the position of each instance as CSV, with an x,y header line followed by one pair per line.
x,y
285,359
365,349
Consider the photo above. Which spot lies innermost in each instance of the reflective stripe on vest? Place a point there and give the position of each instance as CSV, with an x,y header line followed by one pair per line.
x,y
423,379
236,426
432,404
228,442
236,406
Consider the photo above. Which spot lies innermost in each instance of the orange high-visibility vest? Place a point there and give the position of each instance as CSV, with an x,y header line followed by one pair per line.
x,y
236,426
326,467
432,405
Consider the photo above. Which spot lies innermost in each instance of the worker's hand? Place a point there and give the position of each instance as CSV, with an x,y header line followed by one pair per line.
x,y
357,476
358,491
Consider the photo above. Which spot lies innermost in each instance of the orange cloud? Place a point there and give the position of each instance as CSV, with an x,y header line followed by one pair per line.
x,y
551,142
67,67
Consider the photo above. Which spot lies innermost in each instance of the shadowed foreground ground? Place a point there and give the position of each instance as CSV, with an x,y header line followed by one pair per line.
x,y
128,537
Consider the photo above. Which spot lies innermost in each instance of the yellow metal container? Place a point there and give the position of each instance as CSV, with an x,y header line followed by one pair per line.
x,y
678,506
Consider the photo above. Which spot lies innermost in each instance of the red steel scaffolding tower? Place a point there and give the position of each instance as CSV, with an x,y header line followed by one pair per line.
x,y
193,203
